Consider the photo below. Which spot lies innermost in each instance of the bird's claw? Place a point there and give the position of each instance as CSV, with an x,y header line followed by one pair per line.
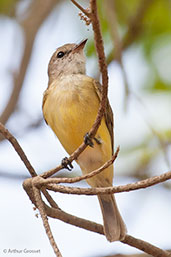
x,y
67,164
88,140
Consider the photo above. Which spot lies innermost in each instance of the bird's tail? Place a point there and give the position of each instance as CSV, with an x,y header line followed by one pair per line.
x,y
114,226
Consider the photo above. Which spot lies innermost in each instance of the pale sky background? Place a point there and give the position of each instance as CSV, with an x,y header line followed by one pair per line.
x,y
146,212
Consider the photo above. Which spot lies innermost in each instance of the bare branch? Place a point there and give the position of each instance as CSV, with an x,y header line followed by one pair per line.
x,y
89,175
112,19
56,212
85,11
38,12
35,185
135,27
73,220
103,69
18,149
102,63
43,214
145,247
128,255
109,190
94,227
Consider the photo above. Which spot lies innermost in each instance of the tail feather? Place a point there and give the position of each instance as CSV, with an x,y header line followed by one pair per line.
x,y
114,226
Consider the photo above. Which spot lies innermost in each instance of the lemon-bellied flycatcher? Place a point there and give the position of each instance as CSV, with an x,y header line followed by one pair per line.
x,y
70,106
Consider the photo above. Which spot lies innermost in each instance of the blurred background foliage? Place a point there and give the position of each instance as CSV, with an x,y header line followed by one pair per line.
x,y
7,7
144,25
137,40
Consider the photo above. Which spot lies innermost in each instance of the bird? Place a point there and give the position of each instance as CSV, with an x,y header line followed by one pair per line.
x,y
70,106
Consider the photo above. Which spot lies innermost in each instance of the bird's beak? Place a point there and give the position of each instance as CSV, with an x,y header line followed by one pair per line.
x,y
80,46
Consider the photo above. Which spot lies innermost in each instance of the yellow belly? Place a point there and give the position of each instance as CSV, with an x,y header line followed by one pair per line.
x,y
70,109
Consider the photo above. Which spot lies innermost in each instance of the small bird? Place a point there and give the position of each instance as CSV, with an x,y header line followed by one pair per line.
x,y
70,106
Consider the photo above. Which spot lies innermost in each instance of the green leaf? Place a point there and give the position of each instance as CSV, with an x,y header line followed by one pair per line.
x,y
90,48
7,7
103,19
125,10
159,85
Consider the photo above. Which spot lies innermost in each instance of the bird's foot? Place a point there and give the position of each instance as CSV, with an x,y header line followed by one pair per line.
x,y
88,140
67,164
98,140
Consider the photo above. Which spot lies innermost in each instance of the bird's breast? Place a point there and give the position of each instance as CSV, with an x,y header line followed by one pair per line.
x,y
70,108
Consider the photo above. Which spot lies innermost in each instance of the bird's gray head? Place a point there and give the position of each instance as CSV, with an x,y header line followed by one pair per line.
x,y
67,59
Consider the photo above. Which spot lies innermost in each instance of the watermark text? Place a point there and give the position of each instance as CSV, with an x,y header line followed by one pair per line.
x,y
20,251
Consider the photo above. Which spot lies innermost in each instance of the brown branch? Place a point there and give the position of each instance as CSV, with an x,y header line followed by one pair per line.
x,y
144,246
128,255
102,61
79,178
107,190
133,31
40,205
85,11
18,149
73,220
113,27
101,58
103,69
94,227
135,27
32,185
38,12
153,130
56,212
112,20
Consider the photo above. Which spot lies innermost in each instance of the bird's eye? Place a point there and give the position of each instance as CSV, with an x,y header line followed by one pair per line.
x,y
60,54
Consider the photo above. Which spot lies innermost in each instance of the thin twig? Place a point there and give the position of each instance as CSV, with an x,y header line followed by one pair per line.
x,y
109,190
103,68
32,185
145,246
56,212
79,178
153,130
38,12
102,64
112,20
95,227
135,27
73,220
81,8
43,214
18,149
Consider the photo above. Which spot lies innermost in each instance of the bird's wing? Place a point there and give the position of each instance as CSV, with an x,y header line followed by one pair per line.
x,y
108,112
45,95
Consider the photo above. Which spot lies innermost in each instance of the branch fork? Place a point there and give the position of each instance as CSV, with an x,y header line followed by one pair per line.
x,y
38,185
